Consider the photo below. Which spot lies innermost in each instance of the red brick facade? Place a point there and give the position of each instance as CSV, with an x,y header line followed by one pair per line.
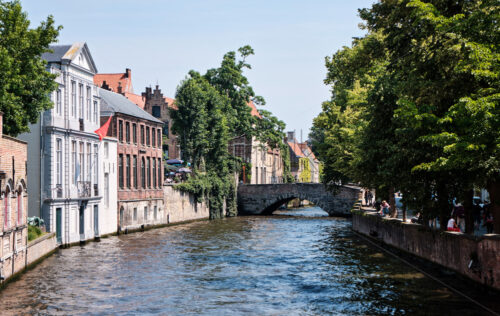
x,y
139,157
13,205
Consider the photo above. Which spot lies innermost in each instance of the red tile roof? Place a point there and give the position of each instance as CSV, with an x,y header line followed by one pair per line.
x,y
137,99
296,149
254,109
114,80
303,147
171,103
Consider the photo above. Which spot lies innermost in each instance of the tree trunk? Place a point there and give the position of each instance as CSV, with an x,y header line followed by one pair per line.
x,y
494,191
392,203
469,220
443,201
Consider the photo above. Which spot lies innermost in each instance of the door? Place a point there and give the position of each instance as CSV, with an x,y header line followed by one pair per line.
x,y
121,217
96,221
59,224
82,222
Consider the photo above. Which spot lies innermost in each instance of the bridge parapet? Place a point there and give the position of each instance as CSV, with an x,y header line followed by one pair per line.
x,y
263,199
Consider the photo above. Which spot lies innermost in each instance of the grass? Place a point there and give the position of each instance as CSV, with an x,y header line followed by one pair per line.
x,y
34,232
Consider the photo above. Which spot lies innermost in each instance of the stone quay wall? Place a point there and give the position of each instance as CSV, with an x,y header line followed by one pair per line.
x,y
477,258
181,207
40,247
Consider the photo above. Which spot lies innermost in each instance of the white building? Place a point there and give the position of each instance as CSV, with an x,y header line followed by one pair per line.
x,y
63,150
108,221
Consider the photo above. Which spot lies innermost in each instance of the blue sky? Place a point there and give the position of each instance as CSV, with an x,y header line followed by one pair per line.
x,y
161,40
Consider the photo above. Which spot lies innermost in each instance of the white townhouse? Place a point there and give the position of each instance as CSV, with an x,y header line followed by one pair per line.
x,y
63,150
108,220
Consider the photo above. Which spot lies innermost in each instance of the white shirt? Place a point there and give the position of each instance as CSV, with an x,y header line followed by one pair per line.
x,y
451,223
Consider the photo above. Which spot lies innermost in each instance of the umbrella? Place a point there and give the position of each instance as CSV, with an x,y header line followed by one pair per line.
x,y
172,168
175,162
185,170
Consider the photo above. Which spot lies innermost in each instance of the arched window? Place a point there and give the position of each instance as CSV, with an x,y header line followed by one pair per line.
x,y
6,199
143,173
20,205
149,172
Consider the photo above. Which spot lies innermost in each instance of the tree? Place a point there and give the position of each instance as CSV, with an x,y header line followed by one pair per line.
x,y
26,84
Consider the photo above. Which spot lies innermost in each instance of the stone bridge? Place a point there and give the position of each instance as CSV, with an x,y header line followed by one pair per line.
x,y
263,199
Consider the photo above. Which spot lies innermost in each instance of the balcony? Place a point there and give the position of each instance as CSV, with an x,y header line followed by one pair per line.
x,y
83,189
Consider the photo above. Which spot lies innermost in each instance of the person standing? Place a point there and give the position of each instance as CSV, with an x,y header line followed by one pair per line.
x,y
459,213
488,220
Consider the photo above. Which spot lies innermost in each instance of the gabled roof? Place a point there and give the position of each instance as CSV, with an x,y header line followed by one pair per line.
x,y
306,150
66,54
254,109
137,99
296,149
115,80
171,103
116,103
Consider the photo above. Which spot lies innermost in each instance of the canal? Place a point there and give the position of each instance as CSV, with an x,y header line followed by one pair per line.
x,y
292,263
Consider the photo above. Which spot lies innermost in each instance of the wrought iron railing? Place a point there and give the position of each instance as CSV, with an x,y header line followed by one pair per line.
x,y
83,189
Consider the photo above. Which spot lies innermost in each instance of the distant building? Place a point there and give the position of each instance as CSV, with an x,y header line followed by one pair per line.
x,y
139,161
298,151
159,106
266,163
63,150
13,206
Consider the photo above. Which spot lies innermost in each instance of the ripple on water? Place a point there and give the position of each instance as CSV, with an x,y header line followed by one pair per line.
x,y
276,265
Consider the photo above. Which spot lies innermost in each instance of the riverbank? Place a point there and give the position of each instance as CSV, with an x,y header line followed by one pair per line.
x,y
475,257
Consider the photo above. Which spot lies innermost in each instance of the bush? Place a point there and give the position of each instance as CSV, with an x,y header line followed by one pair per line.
x,y
34,232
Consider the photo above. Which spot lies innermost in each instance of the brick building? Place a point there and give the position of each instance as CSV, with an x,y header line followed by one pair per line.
x,y
139,161
13,205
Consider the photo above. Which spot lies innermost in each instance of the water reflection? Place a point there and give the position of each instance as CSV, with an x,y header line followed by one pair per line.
x,y
272,265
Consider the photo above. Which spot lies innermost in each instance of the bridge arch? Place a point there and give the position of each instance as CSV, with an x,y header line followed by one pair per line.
x,y
263,199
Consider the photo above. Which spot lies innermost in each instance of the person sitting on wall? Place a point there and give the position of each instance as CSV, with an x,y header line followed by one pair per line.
x,y
417,219
385,208
452,225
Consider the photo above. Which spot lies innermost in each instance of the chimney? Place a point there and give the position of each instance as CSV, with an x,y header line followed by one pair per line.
x,y
128,73
291,136
119,87
105,86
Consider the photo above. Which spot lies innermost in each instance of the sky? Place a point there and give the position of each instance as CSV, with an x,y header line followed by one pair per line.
x,y
161,40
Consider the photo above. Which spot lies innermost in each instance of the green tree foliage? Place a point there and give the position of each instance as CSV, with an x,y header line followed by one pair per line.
x,y
428,104
26,84
212,110
305,175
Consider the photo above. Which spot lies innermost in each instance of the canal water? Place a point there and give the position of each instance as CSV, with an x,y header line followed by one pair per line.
x,y
292,263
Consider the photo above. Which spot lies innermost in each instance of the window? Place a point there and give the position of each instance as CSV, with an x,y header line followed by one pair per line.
x,y
159,138
58,162
96,114
80,94
106,150
147,136
73,98
142,134
73,160
134,166
165,150
127,132
135,213
153,138
145,213
154,172
106,189
120,171
82,162
96,165
120,130
148,170
134,133
155,213
6,215
20,206
165,129
128,171
156,111
58,102
89,101
143,173
159,172
89,162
